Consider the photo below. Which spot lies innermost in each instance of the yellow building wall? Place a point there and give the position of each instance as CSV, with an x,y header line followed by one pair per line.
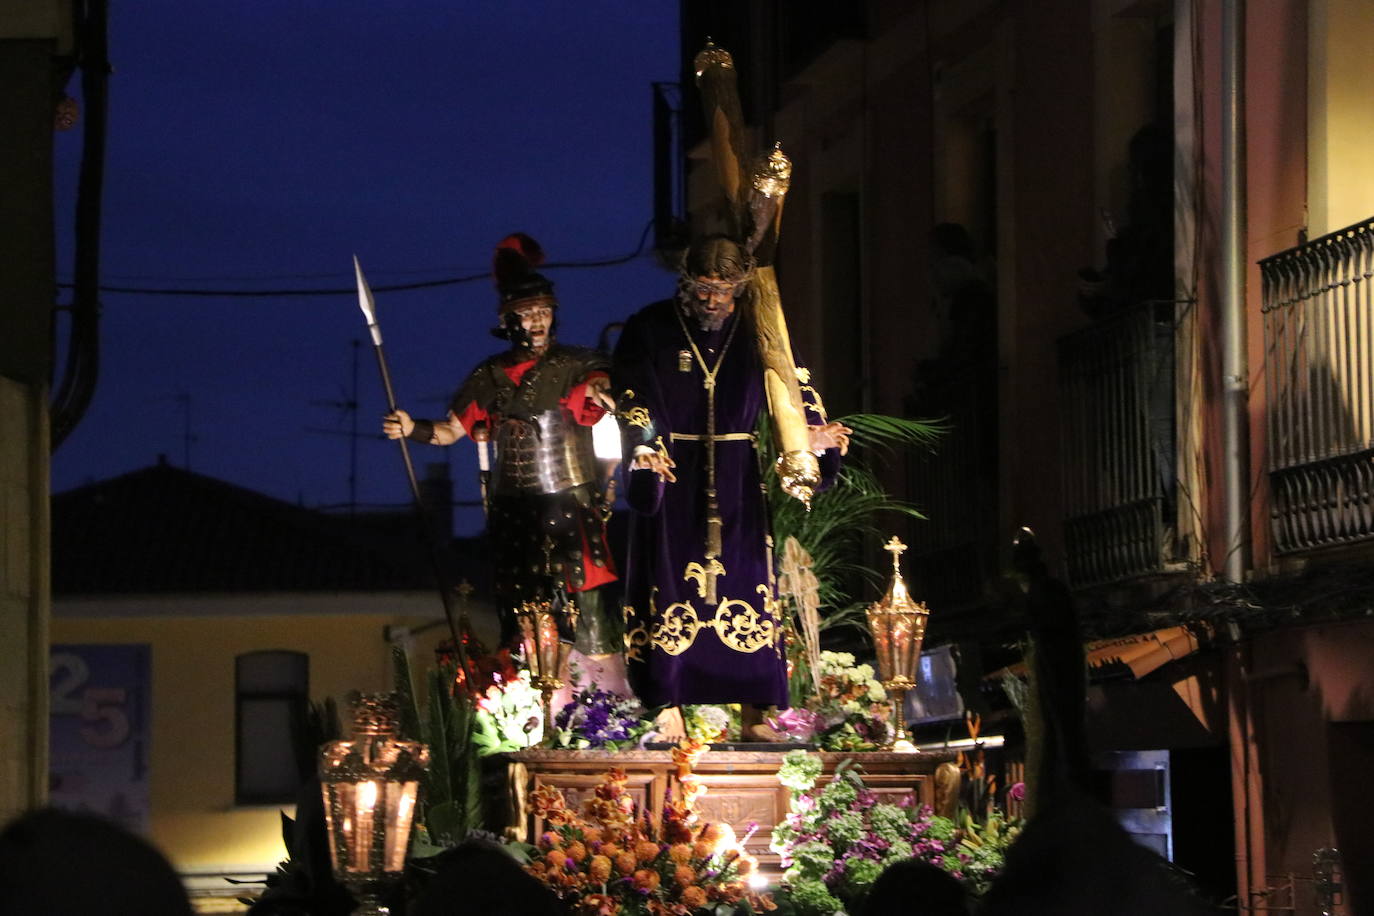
x,y
1340,87
191,758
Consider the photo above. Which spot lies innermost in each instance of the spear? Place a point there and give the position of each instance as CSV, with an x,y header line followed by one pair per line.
x,y
369,307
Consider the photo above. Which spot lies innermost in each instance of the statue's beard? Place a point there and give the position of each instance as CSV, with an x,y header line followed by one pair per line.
x,y
712,322
707,321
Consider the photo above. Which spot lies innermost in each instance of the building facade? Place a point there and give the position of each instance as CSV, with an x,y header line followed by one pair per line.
x,y
1014,215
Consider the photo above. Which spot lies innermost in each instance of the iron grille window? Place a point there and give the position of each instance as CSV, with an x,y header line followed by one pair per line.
x,y
271,695
1319,359
1116,395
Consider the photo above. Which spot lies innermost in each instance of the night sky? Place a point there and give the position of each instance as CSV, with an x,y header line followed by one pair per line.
x,y
258,146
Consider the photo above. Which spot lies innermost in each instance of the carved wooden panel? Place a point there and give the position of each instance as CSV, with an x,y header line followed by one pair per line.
x,y
578,787
742,786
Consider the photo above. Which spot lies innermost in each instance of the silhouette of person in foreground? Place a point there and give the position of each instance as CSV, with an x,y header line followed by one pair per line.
x,y
480,878
914,887
1074,859
55,861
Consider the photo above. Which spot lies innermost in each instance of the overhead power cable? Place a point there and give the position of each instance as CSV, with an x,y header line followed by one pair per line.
x,y
352,290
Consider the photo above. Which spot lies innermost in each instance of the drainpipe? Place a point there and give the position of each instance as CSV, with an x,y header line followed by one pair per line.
x,y
1249,822
1235,390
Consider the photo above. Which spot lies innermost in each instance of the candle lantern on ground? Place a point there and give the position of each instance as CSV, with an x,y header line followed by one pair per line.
x,y
546,636
898,625
370,784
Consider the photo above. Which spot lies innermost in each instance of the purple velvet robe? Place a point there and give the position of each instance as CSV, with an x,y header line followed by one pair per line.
x,y
680,647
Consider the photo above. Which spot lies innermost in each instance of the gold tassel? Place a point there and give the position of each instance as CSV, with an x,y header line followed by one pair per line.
x,y
713,526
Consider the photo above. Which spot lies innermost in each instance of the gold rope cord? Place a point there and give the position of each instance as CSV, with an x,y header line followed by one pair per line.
x,y
713,522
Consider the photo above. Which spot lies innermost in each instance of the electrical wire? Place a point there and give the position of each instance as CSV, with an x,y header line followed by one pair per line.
x,y
386,288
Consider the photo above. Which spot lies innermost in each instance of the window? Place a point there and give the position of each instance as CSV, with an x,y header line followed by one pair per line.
x,y
271,697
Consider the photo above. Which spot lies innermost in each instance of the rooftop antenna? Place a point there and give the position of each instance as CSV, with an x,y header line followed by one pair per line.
x,y
348,406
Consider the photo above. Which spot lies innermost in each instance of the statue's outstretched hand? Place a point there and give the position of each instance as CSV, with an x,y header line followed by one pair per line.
x,y
832,435
599,390
397,424
658,462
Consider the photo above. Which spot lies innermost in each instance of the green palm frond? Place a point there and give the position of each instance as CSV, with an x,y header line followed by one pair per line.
x,y
854,512
882,431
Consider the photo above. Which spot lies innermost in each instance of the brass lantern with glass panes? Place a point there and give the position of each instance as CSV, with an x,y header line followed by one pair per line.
x,y
371,784
898,625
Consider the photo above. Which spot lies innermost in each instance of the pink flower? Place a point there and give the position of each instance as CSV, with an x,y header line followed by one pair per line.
x,y
797,723
1017,792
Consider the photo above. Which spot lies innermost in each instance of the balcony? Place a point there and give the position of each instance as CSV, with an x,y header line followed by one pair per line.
x,y
1319,371
1119,444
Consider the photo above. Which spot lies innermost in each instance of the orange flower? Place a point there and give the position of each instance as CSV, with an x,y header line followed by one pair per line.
x,y
686,755
762,903
647,850
720,835
646,879
727,893
610,850
680,853
675,831
693,897
685,875
747,865
599,869
550,840
702,850
625,863
556,858
692,789
545,800
598,905
592,835
577,851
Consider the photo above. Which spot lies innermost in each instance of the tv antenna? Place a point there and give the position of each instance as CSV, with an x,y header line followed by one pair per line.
x,y
347,405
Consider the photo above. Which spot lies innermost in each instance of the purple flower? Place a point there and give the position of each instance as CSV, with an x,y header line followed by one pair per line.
x,y
1017,792
796,722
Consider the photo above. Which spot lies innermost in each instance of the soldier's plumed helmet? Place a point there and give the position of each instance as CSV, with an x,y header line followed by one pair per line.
x,y
517,282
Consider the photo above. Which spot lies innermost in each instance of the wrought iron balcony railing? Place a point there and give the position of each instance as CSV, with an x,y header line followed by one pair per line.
x,y
1118,444
1319,369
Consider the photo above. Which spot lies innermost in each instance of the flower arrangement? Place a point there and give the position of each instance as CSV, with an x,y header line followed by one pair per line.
x,y
982,848
599,719
609,860
849,713
836,841
710,724
509,717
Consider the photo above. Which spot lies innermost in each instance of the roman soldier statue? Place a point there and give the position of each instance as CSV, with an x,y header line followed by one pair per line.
x,y
536,402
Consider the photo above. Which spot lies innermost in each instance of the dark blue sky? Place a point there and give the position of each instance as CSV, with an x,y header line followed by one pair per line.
x,y
260,145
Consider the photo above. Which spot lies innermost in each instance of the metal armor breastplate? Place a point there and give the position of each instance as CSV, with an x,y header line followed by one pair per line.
x,y
545,454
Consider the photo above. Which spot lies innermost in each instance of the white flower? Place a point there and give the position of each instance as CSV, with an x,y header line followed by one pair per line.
x,y
876,693
864,673
715,717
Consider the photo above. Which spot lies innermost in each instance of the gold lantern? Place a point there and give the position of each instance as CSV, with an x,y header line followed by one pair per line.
x,y
546,636
370,784
898,625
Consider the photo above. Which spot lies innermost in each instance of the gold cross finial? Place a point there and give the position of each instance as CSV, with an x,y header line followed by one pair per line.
x,y
896,548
